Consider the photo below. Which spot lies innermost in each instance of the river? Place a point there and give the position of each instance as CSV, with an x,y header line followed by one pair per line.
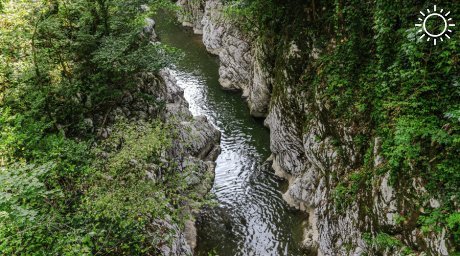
x,y
251,217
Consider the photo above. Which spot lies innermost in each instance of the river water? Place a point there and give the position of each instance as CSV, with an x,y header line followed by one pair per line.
x,y
251,217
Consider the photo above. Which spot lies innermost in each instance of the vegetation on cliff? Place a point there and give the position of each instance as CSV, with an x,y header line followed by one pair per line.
x,y
366,65
63,191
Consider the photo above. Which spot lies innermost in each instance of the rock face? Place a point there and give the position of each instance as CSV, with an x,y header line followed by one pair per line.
x,y
190,14
195,143
198,144
224,40
261,84
240,68
342,221
197,136
305,153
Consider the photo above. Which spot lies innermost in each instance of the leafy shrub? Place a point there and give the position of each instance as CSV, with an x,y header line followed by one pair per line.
x,y
63,61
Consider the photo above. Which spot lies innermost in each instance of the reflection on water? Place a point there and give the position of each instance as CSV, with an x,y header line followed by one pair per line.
x,y
251,218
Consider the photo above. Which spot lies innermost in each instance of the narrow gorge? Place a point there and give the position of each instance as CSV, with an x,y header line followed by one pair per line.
x,y
251,217
229,127
313,149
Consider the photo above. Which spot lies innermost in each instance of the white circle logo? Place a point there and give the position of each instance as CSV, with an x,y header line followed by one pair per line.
x,y
445,25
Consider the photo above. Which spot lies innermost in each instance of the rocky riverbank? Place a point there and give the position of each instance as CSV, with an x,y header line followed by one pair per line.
x,y
195,145
240,66
341,222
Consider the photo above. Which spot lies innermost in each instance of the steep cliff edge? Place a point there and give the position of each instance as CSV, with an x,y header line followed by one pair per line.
x,y
240,67
342,135
196,146
189,151
99,153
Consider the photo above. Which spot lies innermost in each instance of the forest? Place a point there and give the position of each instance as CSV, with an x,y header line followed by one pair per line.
x,y
99,157
62,62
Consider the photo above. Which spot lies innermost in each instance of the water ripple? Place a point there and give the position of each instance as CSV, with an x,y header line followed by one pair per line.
x,y
251,218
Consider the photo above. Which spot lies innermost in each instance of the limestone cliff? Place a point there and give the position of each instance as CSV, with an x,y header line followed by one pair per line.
x,y
240,67
317,155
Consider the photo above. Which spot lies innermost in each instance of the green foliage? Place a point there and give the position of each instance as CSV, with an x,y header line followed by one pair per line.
x,y
106,206
375,76
212,253
346,192
62,61
22,191
253,15
430,222
453,223
385,242
399,219
121,205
